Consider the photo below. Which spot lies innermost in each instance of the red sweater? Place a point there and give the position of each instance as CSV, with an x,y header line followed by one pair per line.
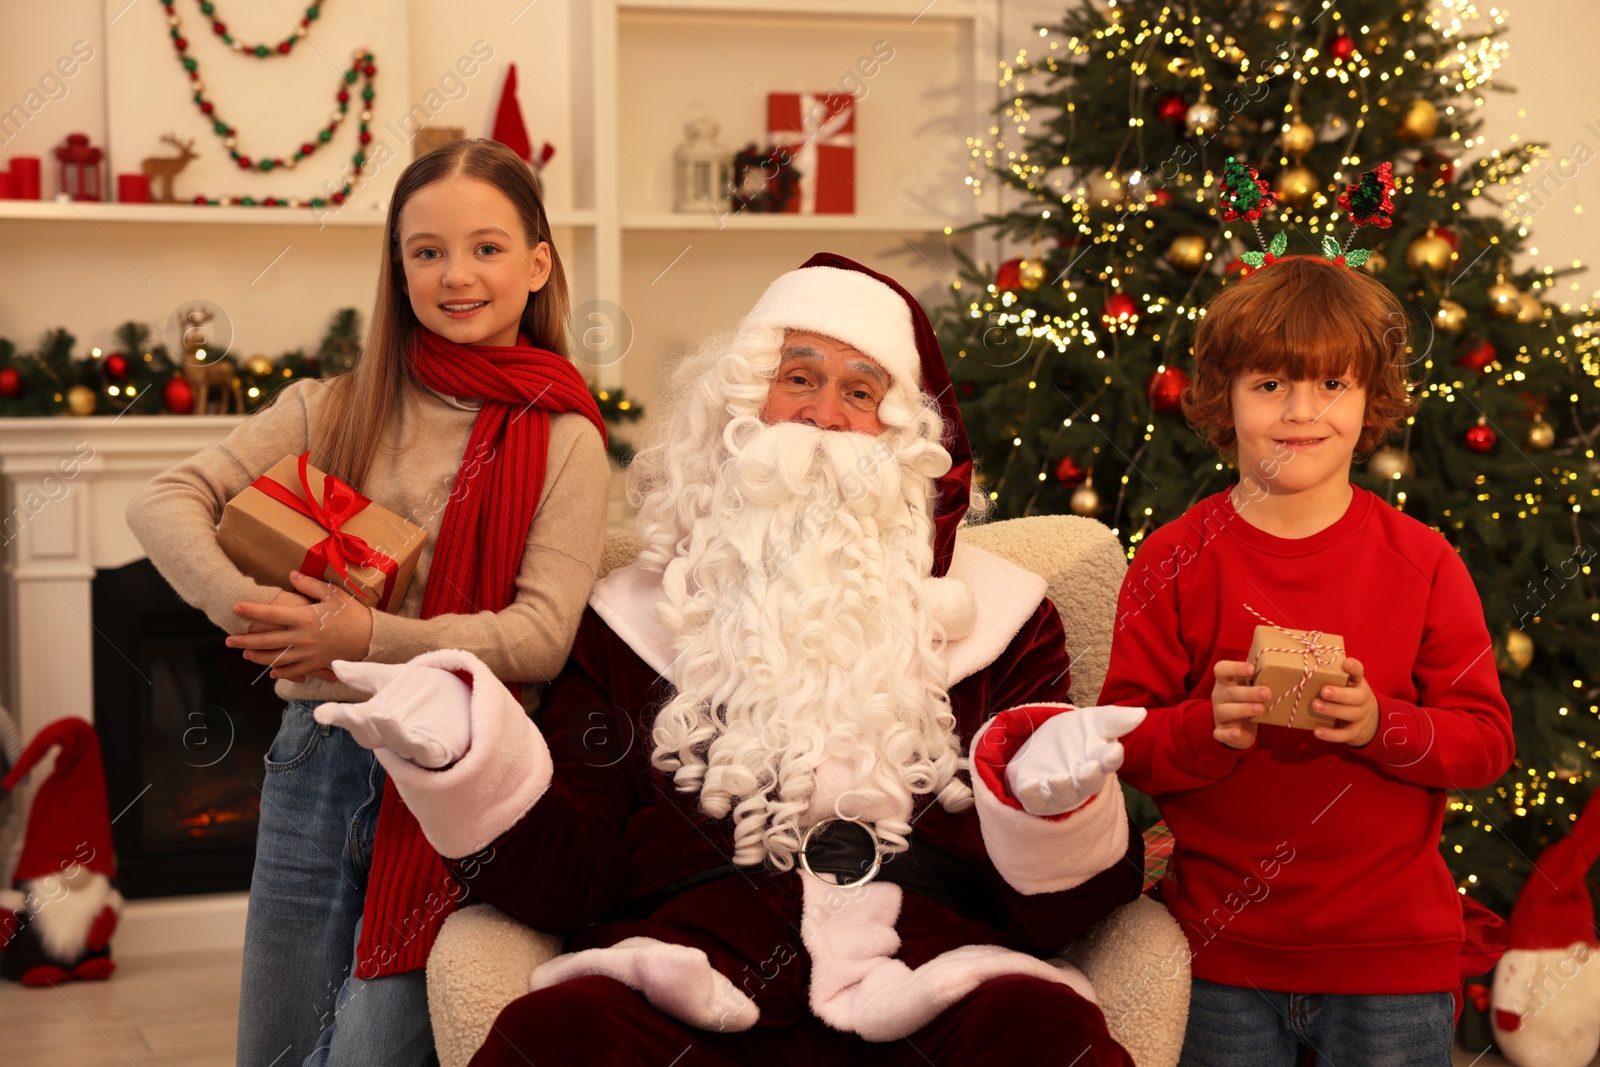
x,y
1302,865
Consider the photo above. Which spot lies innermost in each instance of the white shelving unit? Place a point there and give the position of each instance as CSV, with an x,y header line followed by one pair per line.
x,y
611,83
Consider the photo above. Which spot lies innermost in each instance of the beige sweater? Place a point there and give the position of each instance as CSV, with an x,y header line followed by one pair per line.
x,y
175,517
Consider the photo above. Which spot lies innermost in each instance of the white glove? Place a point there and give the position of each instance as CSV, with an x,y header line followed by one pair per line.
x,y
1068,759
421,714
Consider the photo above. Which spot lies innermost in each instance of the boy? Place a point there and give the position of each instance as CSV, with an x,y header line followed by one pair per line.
x,y
1306,871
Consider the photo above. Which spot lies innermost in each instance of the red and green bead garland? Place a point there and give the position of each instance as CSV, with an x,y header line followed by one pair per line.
x,y
362,70
260,51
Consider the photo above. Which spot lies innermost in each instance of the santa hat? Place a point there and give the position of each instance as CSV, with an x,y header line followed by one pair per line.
x,y
509,129
1554,910
71,819
839,298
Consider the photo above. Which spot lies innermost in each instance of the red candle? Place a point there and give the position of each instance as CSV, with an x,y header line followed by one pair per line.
x,y
133,188
25,177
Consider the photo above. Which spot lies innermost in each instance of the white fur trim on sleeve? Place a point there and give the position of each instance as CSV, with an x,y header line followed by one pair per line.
x,y
1047,855
465,806
677,979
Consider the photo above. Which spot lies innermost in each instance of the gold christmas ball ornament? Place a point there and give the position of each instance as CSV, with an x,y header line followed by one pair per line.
x,y
1450,317
1418,121
1376,263
1390,463
1430,251
258,366
1203,119
1296,185
81,400
1541,435
1084,500
1298,139
1529,309
1187,253
1504,298
1032,273
1519,648
1104,188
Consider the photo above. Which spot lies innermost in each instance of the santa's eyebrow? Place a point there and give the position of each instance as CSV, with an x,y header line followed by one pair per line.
x,y
870,369
802,352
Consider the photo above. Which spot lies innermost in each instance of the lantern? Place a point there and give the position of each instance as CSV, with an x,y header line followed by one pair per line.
x,y
702,170
80,168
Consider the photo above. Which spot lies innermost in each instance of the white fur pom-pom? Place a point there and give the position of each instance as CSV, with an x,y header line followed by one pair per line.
x,y
952,605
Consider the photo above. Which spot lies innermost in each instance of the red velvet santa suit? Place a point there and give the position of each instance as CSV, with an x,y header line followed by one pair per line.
x,y
569,827
606,830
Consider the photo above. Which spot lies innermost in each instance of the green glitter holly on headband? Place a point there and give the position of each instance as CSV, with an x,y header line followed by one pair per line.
x,y
1370,202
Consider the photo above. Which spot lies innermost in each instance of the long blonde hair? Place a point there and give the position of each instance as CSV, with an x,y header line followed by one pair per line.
x,y
367,400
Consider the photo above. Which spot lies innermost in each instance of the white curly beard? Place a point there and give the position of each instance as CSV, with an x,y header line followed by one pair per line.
x,y
802,638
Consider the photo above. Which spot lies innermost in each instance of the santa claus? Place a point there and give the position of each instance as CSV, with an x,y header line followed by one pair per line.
x,y
809,787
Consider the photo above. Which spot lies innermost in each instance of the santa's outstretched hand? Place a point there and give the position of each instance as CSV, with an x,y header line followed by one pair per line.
x,y
419,713
1068,759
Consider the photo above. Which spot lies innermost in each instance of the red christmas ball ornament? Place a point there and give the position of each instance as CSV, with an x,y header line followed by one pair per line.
x,y
1120,310
1160,198
1481,438
1009,277
1173,109
1448,236
177,396
1478,357
1166,388
1436,168
116,365
1342,47
1068,472
10,382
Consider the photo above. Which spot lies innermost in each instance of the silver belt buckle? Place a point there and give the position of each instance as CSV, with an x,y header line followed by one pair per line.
x,y
877,853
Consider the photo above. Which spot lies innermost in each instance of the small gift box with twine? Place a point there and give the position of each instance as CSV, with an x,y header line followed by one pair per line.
x,y
1295,665
294,517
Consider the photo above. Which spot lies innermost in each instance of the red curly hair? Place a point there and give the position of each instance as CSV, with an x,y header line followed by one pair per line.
x,y
1305,318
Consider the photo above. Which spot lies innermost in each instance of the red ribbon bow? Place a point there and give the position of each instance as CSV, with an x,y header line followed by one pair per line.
x,y
339,550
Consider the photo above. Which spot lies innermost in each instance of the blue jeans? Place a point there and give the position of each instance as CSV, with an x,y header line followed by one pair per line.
x,y
298,1003
1231,1026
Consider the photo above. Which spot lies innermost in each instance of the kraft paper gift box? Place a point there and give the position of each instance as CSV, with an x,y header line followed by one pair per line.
x,y
294,517
1296,665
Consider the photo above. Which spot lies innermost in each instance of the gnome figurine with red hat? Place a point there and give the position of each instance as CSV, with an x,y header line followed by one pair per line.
x,y
1546,1000
57,921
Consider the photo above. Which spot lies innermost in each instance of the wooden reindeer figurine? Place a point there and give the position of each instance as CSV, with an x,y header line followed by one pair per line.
x,y
202,372
165,168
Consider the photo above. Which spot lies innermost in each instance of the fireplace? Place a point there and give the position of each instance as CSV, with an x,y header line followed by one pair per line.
x,y
183,724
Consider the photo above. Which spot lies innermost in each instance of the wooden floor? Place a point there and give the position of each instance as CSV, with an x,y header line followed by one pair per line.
x,y
156,1011
166,1011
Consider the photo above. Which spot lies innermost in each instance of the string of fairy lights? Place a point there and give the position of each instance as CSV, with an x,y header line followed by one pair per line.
x,y
1460,47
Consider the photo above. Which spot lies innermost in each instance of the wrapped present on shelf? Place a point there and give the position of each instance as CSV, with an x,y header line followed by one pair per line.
x,y
819,131
1295,665
294,517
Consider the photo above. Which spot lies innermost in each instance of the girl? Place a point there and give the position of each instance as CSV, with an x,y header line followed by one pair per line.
x,y
465,417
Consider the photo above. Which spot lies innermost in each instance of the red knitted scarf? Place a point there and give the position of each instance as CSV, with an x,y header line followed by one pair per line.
x,y
479,550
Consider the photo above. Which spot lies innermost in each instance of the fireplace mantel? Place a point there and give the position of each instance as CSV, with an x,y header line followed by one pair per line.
x,y
66,483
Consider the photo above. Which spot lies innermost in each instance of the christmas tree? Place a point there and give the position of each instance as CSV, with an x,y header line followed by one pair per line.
x,y
1070,360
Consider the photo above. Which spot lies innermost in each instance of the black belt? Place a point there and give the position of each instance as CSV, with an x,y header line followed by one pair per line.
x,y
849,852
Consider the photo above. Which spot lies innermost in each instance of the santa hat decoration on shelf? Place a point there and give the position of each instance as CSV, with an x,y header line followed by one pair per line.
x,y
1546,999
56,924
511,131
